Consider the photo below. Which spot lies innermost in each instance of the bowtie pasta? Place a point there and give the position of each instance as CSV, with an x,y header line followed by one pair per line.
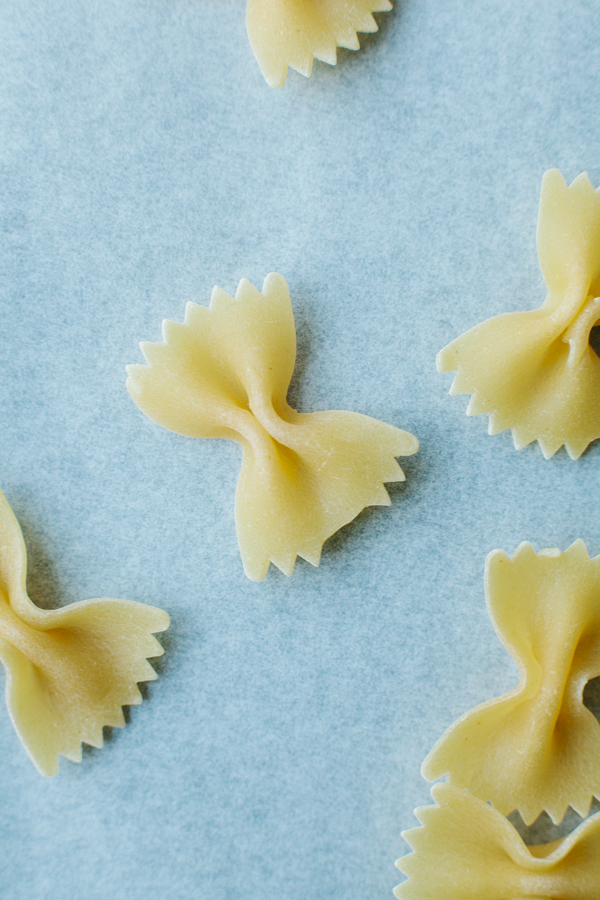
x,y
225,373
538,747
466,849
286,33
535,372
68,671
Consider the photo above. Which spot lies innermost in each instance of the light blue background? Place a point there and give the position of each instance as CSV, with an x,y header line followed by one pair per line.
x,y
143,159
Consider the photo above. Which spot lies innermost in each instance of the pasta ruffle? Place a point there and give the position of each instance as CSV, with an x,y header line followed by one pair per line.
x,y
68,671
535,372
292,33
465,848
538,747
225,373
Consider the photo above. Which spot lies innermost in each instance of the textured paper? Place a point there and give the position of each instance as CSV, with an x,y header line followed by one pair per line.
x,y
144,158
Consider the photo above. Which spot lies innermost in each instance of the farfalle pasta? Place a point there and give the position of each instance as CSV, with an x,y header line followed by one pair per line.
x,y
225,373
538,747
292,33
466,849
535,372
68,671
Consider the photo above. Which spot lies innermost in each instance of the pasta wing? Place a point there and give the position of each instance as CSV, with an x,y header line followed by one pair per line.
x,y
320,471
286,33
465,848
199,381
68,671
535,372
538,747
225,373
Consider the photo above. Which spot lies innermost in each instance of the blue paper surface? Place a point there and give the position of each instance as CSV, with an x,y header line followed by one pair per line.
x,y
143,160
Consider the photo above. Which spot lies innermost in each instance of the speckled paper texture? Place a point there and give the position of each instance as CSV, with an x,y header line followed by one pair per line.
x,y
143,160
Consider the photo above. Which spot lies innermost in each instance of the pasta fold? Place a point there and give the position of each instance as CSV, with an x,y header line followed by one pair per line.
x,y
538,747
225,373
535,372
465,848
286,33
68,671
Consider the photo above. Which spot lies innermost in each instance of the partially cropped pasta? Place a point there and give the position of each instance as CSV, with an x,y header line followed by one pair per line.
x,y
538,747
292,33
466,849
535,372
225,373
68,671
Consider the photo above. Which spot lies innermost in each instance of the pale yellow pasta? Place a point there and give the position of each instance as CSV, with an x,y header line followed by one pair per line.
x,y
68,671
535,372
467,849
538,747
225,373
286,33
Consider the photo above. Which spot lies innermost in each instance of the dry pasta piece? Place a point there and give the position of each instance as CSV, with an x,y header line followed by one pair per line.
x,y
286,33
68,671
466,849
535,372
225,373
537,747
